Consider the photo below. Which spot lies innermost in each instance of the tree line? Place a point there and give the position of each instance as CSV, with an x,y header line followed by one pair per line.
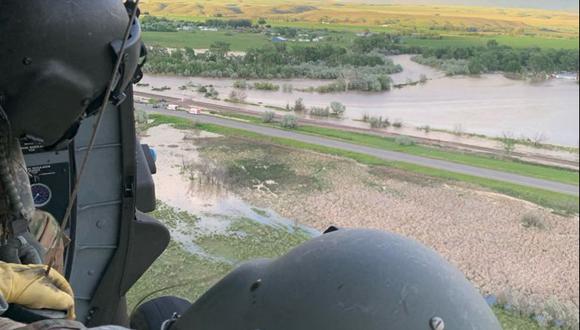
x,y
355,70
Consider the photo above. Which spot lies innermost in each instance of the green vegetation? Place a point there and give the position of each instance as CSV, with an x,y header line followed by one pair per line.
x,y
502,40
505,165
358,16
268,117
238,41
266,86
533,221
392,144
562,203
364,71
359,65
189,274
513,321
494,58
289,122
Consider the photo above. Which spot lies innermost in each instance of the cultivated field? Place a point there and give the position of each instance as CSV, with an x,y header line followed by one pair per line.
x,y
405,18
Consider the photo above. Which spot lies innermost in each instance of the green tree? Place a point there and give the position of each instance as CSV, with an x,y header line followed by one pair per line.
x,y
492,44
475,66
338,109
219,49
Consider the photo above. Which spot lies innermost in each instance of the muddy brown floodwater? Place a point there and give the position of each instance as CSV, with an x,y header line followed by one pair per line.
x,y
490,105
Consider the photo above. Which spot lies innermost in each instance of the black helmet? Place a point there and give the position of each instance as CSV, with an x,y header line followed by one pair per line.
x,y
344,280
56,60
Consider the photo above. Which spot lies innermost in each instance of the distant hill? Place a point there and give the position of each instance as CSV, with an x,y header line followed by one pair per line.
x,y
405,16
538,4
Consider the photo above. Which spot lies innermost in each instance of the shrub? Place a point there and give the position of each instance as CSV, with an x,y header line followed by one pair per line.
x,y
287,88
398,124
241,84
338,109
405,141
320,112
268,116
289,121
533,221
238,96
458,130
426,129
379,122
299,105
508,143
266,86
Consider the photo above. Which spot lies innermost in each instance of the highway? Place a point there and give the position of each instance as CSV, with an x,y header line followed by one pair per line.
x,y
380,153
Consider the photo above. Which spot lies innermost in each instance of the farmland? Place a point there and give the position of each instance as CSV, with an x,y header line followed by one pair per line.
x,y
452,20
243,41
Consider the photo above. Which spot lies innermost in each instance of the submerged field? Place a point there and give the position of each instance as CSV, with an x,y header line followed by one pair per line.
x,y
491,237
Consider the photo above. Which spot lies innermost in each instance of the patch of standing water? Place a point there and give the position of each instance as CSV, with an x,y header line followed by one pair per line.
x,y
206,197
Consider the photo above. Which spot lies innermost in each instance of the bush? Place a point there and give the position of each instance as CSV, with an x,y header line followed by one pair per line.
x,y
287,88
289,121
533,221
320,112
268,117
405,141
338,109
398,124
241,84
266,86
426,129
379,122
508,143
299,105
238,96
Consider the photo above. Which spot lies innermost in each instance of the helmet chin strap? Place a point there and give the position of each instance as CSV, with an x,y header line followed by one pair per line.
x,y
17,245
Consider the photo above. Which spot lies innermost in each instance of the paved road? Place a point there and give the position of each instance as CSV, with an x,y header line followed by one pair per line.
x,y
383,154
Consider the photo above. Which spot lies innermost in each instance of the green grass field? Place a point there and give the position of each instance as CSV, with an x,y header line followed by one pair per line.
x,y
242,41
239,41
203,39
512,41
561,203
397,17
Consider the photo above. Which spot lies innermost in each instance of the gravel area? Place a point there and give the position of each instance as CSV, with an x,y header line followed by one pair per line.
x,y
483,233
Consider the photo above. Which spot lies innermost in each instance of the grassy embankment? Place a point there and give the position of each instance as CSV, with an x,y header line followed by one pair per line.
x,y
561,203
494,163
180,272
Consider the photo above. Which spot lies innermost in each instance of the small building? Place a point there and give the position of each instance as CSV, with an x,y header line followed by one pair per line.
x,y
279,39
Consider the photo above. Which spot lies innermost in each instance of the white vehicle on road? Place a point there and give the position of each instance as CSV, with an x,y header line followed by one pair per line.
x,y
194,111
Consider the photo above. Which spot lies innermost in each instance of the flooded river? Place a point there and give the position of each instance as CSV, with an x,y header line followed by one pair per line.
x,y
491,104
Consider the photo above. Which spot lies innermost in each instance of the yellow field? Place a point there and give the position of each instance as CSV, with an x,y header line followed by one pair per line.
x,y
408,18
